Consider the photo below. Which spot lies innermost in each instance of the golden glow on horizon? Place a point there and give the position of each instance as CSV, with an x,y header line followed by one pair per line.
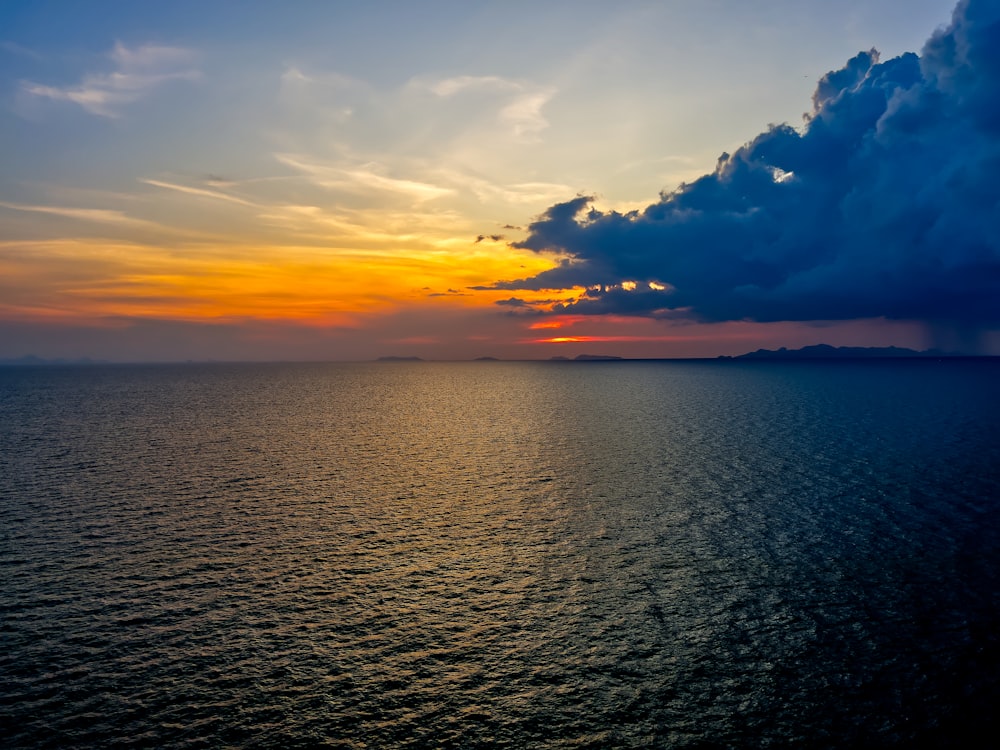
x,y
94,278
325,246
608,339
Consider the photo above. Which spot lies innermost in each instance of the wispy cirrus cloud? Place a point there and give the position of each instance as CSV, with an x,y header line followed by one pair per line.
x,y
200,192
136,72
491,192
362,178
99,215
108,222
151,56
451,86
19,50
435,140
522,113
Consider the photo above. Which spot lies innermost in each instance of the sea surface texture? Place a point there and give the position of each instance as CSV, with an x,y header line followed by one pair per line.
x,y
494,554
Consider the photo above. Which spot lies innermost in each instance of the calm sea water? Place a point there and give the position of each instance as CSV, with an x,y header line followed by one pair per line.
x,y
518,555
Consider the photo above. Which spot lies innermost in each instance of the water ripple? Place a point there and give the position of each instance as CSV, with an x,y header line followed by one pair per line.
x,y
499,555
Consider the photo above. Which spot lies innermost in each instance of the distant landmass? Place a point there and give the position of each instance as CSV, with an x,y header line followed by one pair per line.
x,y
399,359
825,351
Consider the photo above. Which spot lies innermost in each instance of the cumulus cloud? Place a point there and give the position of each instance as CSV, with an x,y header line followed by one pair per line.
x,y
137,71
885,203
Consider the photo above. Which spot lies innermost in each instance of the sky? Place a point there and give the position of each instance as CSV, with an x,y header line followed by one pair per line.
x,y
453,180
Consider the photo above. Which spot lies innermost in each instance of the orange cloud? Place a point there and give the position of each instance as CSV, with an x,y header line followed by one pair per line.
x,y
566,339
332,286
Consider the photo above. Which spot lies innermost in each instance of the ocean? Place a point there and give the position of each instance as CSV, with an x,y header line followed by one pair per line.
x,y
500,555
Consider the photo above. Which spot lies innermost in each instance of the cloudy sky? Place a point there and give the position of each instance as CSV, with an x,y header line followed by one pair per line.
x,y
333,180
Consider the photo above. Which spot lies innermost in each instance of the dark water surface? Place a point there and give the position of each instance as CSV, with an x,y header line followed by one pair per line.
x,y
518,555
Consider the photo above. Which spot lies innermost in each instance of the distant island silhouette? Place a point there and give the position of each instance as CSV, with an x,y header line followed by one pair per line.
x,y
399,359
825,351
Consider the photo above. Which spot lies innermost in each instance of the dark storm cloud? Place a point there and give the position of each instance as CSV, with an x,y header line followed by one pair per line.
x,y
519,308
886,203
